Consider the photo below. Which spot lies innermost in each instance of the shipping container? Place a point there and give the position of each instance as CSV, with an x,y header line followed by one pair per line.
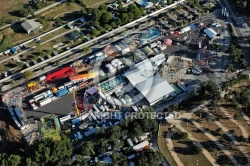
x,y
75,121
110,124
92,115
131,157
19,116
34,107
79,135
130,142
16,122
123,101
62,92
102,108
31,101
11,111
39,97
141,146
96,109
153,45
65,118
68,84
61,87
45,101
54,98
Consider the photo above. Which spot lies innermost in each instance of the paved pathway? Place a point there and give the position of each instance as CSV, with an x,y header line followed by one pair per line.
x,y
172,151
246,118
242,128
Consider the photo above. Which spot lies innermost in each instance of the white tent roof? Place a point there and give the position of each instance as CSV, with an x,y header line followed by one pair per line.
x,y
158,59
142,72
210,32
155,88
126,50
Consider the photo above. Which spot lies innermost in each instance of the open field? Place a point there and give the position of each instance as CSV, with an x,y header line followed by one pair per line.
x,y
96,3
9,8
61,9
162,144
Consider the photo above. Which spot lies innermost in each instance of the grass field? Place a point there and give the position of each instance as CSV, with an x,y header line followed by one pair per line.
x,y
61,9
162,144
96,3
10,8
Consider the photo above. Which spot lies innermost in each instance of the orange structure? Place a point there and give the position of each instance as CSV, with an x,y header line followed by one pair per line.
x,y
83,77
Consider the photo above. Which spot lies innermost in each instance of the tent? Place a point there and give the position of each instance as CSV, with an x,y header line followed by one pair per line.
x,y
168,42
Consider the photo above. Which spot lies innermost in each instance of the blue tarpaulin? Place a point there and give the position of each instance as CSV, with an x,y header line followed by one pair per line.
x,y
192,26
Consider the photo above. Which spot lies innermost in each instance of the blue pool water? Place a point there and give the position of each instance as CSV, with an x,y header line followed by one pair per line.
x,y
152,33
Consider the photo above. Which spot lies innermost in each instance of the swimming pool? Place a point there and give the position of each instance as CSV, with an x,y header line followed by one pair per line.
x,y
152,33
144,3
177,89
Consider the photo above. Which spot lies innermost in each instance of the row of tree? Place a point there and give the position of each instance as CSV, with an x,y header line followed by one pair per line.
x,y
103,19
237,57
242,6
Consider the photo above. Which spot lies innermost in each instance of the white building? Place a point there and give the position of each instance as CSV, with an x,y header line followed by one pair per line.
x,y
152,87
158,59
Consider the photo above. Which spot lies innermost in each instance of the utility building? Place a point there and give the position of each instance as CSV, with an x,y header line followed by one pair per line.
x,y
31,26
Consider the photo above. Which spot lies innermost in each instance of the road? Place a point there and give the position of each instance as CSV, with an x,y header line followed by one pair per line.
x,y
36,12
242,32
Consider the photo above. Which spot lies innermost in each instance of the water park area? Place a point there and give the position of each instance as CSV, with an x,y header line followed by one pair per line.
x,y
150,35
111,84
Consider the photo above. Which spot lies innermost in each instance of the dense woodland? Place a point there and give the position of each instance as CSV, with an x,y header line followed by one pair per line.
x,y
242,6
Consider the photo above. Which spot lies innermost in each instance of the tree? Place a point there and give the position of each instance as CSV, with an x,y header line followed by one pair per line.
x,y
50,152
219,130
58,22
149,158
88,149
20,65
198,150
49,52
23,12
35,58
103,7
57,62
119,159
7,160
179,7
85,49
27,74
106,17
183,135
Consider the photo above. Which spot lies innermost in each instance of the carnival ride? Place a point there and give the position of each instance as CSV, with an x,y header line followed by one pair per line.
x,y
83,77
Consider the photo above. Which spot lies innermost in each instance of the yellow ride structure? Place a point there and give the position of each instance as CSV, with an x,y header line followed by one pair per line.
x,y
77,111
